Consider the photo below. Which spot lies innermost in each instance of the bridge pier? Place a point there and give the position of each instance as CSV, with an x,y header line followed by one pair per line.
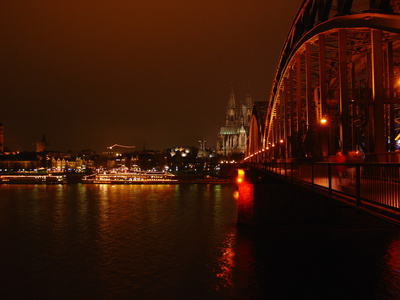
x,y
270,202
264,200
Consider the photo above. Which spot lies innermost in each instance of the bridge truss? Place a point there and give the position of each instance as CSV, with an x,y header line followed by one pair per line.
x,y
337,85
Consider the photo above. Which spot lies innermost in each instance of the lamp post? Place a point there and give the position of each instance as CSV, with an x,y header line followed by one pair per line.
x,y
324,136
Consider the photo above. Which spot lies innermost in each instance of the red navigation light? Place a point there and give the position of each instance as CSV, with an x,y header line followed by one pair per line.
x,y
241,175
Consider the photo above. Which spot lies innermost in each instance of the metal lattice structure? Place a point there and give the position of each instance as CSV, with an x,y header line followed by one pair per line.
x,y
337,83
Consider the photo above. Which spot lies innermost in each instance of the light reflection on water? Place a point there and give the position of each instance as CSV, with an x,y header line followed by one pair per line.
x,y
104,241
245,202
226,263
180,241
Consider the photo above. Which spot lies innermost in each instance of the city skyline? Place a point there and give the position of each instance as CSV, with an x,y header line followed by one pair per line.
x,y
152,73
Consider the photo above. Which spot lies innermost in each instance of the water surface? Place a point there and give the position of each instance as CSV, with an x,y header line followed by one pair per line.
x,y
179,242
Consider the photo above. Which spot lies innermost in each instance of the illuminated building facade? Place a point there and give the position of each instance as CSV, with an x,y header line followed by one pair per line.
x,y
63,164
232,136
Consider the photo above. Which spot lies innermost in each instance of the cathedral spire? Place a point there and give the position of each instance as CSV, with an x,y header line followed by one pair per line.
x,y
231,111
232,102
248,101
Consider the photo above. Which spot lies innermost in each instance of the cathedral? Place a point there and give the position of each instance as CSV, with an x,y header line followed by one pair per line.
x,y
233,135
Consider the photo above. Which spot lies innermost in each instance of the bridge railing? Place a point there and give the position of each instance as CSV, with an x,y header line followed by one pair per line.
x,y
376,184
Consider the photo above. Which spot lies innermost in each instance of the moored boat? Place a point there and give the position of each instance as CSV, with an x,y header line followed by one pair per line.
x,y
139,177
33,179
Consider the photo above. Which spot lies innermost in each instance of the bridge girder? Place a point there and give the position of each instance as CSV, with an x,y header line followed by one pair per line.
x,y
340,64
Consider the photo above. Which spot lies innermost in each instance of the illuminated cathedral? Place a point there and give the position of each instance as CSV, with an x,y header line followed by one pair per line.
x,y
233,135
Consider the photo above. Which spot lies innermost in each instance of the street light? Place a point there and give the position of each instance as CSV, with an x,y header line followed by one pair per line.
x,y
324,136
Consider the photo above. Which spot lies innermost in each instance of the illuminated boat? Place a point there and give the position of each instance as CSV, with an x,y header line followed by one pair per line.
x,y
33,179
140,177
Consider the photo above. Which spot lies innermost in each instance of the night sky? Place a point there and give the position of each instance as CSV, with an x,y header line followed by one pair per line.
x,y
89,74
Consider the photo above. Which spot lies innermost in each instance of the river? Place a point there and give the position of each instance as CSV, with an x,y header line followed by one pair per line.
x,y
181,241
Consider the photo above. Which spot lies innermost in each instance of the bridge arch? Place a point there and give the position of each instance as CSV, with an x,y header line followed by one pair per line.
x,y
337,84
255,143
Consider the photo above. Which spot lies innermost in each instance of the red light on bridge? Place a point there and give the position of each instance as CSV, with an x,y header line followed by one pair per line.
x,y
241,175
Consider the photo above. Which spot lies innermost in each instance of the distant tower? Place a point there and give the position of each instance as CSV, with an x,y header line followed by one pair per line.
x,y
41,146
247,107
1,138
202,144
231,113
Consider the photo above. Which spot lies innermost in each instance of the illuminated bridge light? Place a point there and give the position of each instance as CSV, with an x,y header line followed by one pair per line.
x,y
241,175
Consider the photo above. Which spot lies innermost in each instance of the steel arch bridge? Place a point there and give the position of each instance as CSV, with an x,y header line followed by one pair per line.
x,y
336,87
